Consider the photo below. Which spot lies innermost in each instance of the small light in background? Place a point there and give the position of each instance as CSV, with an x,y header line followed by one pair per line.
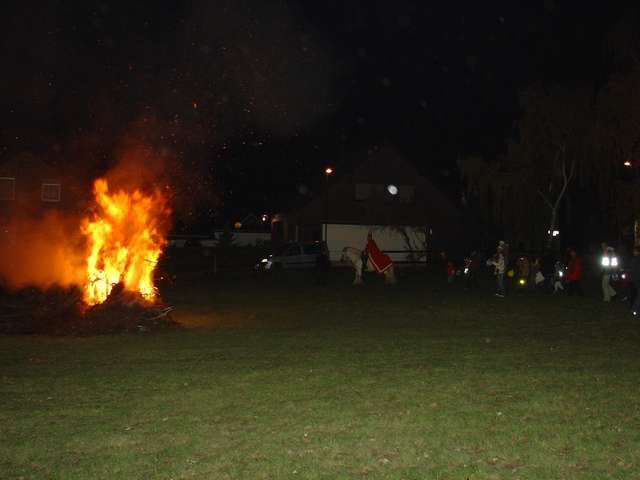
x,y
237,225
328,171
554,234
265,217
627,163
392,189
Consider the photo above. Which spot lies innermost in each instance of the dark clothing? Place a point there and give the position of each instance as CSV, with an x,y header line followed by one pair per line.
x,y
322,268
548,265
574,287
635,269
548,270
471,266
634,287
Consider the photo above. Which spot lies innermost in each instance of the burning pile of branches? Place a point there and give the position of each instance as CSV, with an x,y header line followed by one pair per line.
x,y
60,311
32,310
125,311
114,291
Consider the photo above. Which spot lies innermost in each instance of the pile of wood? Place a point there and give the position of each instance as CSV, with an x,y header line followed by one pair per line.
x,y
127,312
31,311
60,311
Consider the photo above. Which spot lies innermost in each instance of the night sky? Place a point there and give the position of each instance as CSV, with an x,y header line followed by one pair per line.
x,y
256,96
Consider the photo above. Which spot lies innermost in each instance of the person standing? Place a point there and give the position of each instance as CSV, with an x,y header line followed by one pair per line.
x,y
574,273
548,270
499,267
558,277
323,263
449,267
379,260
609,264
635,280
470,271
524,269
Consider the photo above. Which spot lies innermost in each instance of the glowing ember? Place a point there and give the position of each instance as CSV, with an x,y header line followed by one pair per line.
x,y
125,239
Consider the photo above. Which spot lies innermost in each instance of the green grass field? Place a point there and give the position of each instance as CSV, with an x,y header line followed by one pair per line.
x,y
285,379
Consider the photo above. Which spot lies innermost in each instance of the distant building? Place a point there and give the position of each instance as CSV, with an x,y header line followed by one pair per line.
x,y
407,213
250,230
29,188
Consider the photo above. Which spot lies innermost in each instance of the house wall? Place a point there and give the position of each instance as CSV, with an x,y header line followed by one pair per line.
x,y
389,240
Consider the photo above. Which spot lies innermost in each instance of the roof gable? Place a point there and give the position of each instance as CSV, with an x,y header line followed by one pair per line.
x,y
339,203
384,166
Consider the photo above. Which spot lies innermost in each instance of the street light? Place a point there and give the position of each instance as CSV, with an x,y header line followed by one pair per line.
x,y
627,163
327,173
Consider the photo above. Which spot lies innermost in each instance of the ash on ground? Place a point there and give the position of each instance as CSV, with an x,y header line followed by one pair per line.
x,y
60,311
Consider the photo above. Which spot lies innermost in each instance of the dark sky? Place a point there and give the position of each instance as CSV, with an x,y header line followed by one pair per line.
x,y
259,94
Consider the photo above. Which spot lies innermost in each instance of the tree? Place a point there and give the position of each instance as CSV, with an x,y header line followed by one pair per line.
x,y
552,145
555,145
415,241
570,134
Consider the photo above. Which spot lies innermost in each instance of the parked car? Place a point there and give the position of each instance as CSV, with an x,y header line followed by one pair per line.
x,y
294,256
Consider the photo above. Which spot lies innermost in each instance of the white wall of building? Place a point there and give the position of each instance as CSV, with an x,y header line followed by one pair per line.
x,y
389,240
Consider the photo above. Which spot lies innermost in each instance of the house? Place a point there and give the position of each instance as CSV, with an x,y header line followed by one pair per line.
x,y
29,188
408,215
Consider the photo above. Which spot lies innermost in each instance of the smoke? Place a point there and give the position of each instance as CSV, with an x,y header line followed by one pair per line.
x,y
42,244
42,252
283,74
154,106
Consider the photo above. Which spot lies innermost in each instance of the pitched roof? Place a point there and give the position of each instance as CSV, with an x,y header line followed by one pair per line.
x,y
385,165
339,204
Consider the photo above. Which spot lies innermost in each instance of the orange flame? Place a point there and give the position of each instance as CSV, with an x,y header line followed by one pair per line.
x,y
125,239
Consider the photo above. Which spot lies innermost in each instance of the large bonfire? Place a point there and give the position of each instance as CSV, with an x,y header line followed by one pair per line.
x,y
92,272
125,235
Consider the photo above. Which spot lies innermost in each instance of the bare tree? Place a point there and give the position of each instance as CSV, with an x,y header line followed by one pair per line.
x,y
557,188
554,134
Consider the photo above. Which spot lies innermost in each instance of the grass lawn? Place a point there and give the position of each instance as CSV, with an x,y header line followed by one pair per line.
x,y
284,379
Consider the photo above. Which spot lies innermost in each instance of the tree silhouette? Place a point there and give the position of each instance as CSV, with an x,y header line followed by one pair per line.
x,y
551,150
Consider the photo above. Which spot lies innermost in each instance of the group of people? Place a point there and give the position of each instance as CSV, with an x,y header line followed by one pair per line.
x,y
545,273
550,274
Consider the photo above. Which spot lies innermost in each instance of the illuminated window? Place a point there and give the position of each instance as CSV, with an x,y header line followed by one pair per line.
x,y
7,188
50,192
